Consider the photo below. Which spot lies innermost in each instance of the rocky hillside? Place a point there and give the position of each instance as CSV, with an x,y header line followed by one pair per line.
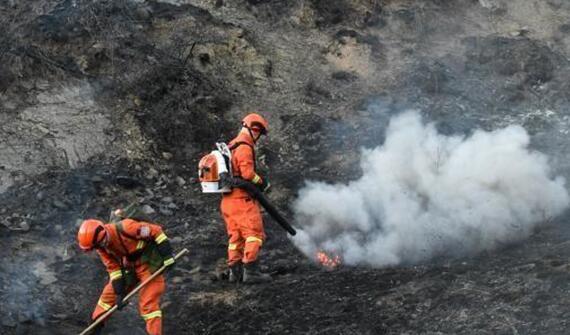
x,y
96,93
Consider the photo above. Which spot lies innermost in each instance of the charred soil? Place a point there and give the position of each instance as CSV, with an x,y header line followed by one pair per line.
x,y
106,103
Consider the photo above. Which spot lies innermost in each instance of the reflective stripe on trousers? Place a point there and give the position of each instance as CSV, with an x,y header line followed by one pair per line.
x,y
155,314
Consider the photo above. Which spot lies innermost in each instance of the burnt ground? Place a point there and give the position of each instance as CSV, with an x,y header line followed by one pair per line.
x,y
93,90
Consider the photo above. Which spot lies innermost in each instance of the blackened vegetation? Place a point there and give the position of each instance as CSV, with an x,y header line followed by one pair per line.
x,y
6,77
331,12
61,197
372,41
63,23
433,77
344,76
28,286
180,106
179,74
565,28
509,56
315,93
271,9
450,297
178,110
322,139
496,76
256,2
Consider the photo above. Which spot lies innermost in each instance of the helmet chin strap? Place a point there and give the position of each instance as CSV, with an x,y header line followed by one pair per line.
x,y
105,241
251,134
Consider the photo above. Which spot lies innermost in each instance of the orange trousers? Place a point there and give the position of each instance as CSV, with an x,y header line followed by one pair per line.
x,y
244,225
149,300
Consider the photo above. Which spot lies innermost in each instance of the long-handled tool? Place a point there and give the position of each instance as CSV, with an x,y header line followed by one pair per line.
x,y
133,292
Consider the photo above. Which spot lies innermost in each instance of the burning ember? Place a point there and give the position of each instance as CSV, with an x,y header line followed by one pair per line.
x,y
328,261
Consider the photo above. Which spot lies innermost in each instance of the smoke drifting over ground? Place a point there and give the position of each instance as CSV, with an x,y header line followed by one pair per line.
x,y
424,195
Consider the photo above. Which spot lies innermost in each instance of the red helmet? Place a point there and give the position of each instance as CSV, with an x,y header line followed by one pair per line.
x,y
91,233
256,122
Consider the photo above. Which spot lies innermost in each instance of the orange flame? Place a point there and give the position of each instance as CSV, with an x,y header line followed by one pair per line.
x,y
328,261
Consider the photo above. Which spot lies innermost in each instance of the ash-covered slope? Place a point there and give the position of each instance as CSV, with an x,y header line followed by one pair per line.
x,y
92,90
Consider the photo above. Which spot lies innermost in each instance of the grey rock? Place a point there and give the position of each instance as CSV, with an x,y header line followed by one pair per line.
x,y
24,226
166,211
489,4
41,195
24,317
180,181
143,13
59,204
152,173
147,209
9,322
9,105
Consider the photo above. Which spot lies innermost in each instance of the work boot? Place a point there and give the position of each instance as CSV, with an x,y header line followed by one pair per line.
x,y
235,273
252,275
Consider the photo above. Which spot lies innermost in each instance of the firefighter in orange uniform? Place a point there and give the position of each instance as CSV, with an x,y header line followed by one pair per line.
x,y
131,251
241,213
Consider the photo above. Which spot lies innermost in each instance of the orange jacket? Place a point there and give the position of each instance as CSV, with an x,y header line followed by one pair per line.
x,y
243,163
135,237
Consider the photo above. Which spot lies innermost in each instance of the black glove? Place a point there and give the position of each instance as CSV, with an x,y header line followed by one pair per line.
x,y
165,251
265,185
120,292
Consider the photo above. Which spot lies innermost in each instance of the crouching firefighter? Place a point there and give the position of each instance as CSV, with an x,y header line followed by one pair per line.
x,y
131,251
241,212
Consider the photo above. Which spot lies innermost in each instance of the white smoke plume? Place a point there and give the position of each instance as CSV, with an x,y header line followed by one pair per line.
x,y
424,195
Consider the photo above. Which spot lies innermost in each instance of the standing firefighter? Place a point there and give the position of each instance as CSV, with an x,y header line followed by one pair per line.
x,y
241,213
131,251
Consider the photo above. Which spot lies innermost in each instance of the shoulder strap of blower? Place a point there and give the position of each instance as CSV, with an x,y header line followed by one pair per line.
x,y
237,144
121,232
128,273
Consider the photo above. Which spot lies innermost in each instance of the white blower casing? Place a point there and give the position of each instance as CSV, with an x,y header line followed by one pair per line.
x,y
212,167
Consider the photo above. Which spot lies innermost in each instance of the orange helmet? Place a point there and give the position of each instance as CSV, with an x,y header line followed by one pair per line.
x,y
256,122
91,233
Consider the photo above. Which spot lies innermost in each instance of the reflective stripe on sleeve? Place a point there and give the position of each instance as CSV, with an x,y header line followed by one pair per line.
x,y
155,314
115,274
256,179
103,305
160,238
254,239
232,246
140,245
